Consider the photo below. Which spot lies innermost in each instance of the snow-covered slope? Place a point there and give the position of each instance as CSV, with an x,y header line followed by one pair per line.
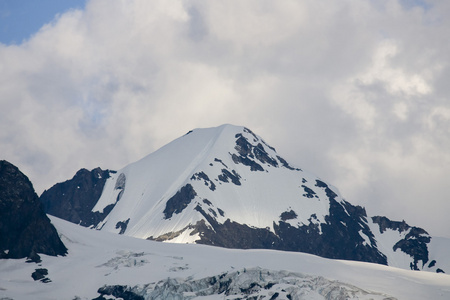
x,y
99,262
226,186
207,159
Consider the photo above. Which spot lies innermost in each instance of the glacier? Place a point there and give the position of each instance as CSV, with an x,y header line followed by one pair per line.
x,y
99,262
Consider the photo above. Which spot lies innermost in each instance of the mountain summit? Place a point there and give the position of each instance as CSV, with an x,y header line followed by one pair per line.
x,y
225,186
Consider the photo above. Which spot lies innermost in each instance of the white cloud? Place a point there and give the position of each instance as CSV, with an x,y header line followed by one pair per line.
x,y
395,80
354,91
400,110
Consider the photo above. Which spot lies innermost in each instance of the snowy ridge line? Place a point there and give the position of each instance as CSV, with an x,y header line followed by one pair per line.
x,y
180,181
183,178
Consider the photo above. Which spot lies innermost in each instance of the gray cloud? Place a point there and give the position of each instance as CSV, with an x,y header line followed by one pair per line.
x,y
355,91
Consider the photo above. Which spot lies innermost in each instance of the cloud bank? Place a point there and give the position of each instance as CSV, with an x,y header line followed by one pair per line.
x,y
355,92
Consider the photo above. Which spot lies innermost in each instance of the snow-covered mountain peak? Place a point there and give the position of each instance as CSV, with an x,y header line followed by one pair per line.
x,y
225,186
204,144
226,172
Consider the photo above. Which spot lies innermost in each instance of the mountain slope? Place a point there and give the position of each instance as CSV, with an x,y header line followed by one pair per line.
x,y
25,230
226,186
101,263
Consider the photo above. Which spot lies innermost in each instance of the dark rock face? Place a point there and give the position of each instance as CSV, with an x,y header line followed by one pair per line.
x,y
41,274
338,237
432,264
233,176
384,223
286,165
309,193
122,225
247,154
288,215
206,180
252,153
414,243
343,230
25,230
179,201
254,166
233,235
118,291
74,199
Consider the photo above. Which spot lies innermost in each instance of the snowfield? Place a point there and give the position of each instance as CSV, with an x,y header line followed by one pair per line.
x,y
154,270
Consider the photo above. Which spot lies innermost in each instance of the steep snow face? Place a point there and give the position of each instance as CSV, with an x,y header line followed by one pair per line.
x,y
226,172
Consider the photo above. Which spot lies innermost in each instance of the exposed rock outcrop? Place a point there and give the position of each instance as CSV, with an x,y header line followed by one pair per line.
x,y
74,199
25,230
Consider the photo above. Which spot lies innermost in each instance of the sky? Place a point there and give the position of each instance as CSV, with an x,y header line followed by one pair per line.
x,y
354,91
